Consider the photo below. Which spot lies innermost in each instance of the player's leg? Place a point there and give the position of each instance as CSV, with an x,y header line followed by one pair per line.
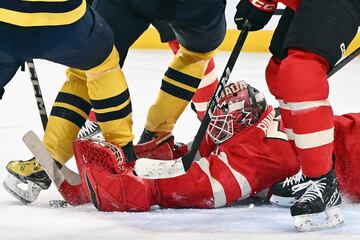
x,y
8,67
127,27
206,87
304,87
24,172
272,69
185,72
106,88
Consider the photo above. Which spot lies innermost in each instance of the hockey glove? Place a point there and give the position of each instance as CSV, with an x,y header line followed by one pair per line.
x,y
257,12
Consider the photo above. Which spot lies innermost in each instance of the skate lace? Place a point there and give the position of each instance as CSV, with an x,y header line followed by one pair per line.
x,y
88,128
314,189
293,180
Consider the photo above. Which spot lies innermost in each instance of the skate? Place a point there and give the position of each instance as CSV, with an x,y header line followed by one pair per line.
x,y
282,193
319,207
146,136
91,129
30,173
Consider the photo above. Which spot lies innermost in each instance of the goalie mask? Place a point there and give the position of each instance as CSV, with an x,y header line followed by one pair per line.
x,y
239,107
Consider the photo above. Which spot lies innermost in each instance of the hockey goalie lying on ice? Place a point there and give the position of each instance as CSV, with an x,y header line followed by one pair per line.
x,y
243,153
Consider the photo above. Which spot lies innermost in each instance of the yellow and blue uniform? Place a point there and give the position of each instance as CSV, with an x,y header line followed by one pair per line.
x,y
30,13
198,25
70,33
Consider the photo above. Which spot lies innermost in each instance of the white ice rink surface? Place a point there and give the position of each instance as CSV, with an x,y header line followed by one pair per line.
x,y
144,70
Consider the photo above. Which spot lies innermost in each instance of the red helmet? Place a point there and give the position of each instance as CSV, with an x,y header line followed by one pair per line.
x,y
240,107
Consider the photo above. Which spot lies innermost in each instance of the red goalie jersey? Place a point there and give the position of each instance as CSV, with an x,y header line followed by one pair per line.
x,y
244,152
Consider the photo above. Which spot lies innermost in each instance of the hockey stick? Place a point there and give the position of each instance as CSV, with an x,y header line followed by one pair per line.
x,y
10,182
156,169
343,62
67,182
37,92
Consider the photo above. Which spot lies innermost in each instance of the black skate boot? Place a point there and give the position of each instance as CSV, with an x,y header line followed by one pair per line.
x,y
30,173
282,193
319,207
129,152
146,136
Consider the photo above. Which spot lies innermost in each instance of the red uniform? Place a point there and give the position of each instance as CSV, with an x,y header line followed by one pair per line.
x,y
252,161
249,162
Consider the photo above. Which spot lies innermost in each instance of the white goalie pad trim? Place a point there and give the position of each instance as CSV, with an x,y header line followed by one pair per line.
x,y
311,140
216,187
158,169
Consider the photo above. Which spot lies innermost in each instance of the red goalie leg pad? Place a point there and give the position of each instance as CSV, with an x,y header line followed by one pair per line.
x,y
110,183
74,194
117,192
271,75
96,153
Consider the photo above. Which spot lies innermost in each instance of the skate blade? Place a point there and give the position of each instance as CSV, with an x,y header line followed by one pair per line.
x,y
330,218
26,196
282,201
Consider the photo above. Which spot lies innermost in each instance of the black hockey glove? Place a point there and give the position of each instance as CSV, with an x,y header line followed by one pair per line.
x,y
257,12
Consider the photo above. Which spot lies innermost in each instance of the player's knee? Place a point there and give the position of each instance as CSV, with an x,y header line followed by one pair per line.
x,y
271,75
110,64
302,77
196,56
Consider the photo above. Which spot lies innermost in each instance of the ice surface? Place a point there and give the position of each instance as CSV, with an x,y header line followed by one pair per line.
x,y
144,70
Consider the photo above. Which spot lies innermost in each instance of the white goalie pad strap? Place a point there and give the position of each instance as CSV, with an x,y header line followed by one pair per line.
x,y
217,188
297,106
311,140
